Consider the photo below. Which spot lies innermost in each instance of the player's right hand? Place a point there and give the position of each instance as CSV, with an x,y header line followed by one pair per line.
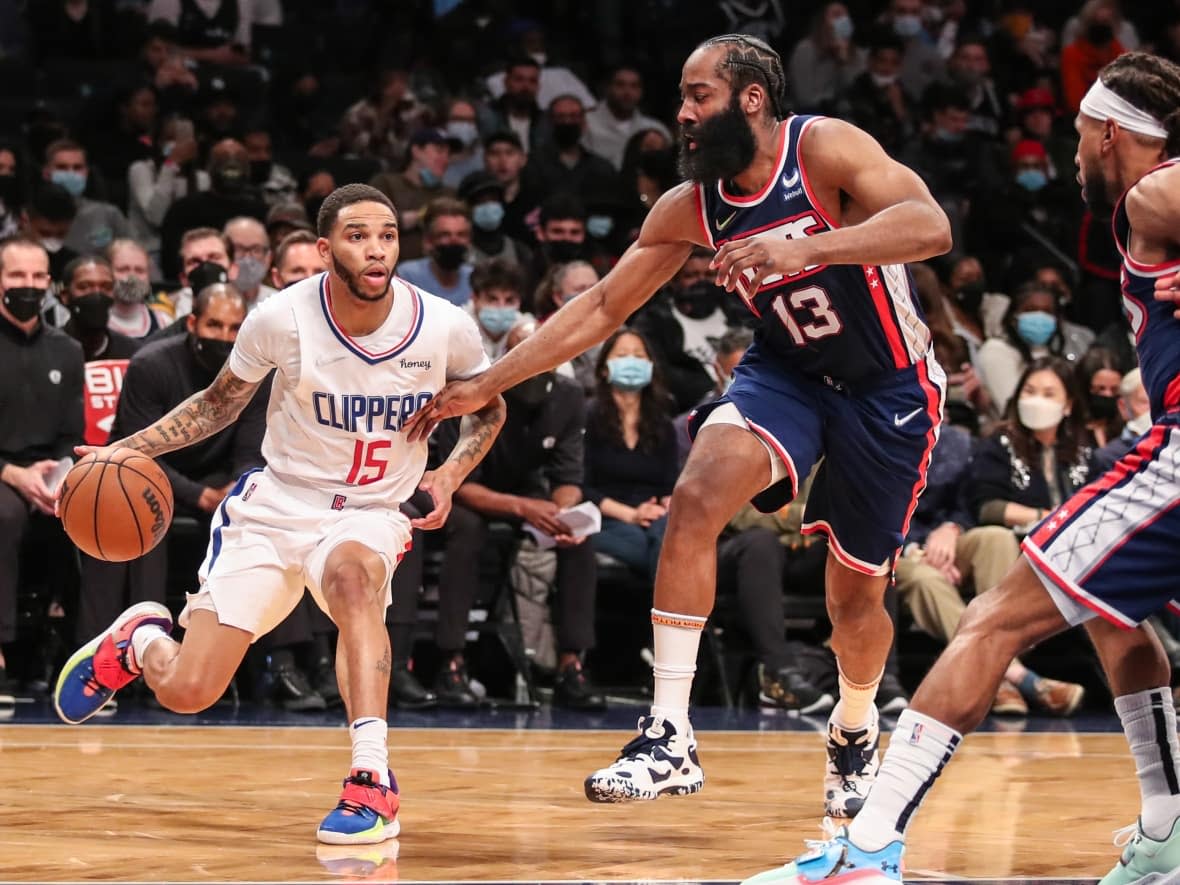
x,y
457,398
1167,288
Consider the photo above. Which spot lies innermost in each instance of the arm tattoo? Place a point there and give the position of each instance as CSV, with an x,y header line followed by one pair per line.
x,y
477,432
385,664
198,417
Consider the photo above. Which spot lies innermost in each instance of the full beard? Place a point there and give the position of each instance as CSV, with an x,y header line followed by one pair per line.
x,y
353,283
1095,193
725,146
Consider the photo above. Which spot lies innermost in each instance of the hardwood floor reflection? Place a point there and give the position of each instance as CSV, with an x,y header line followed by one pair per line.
x,y
141,803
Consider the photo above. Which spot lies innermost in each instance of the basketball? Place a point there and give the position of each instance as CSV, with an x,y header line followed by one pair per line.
x,y
116,506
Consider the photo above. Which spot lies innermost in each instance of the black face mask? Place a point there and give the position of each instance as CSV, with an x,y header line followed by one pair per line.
x,y
210,353
1099,34
91,312
725,146
230,179
1103,407
531,392
970,296
449,256
563,251
8,191
260,170
23,302
698,300
566,135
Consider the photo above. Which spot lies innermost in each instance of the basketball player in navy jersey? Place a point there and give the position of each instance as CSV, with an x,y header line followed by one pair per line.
x,y
1106,558
813,224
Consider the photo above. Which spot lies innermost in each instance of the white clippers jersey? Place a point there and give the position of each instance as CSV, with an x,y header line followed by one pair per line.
x,y
338,404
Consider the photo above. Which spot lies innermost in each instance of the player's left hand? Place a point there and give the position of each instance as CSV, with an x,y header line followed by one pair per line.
x,y
441,487
1167,288
456,398
763,256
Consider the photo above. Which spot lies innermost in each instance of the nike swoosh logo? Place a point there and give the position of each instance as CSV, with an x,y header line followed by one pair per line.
x,y
722,225
656,777
327,361
357,725
899,420
789,183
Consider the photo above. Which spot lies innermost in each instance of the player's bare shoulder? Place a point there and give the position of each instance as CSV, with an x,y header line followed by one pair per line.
x,y
676,217
1153,209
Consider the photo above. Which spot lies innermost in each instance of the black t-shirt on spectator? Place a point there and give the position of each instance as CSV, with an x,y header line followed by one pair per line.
x,y
629,476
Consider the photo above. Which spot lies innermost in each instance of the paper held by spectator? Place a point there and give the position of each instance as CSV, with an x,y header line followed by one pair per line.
x,y
583,519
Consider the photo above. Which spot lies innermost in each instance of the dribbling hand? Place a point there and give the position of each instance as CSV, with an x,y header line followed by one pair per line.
x,y
441,487
763,256
1168,289
457,398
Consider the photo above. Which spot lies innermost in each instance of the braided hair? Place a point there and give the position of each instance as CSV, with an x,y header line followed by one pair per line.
x,y
751,60
1152,84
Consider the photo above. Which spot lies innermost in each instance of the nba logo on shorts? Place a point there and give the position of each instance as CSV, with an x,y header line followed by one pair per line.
x,y
916,734
249,491
338,502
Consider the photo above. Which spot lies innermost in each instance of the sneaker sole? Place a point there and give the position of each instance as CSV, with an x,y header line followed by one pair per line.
x,y
89,649
1071,705
612,792
388,831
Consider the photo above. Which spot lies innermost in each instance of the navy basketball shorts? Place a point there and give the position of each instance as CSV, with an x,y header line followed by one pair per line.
x,y
875,440
1112,549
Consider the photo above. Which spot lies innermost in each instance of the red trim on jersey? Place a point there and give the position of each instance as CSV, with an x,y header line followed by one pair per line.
x,y
785,126
823,527
806,180
885,314
698,194
1040,564
1174,607
416,304
1084,256
1123,248
1131,463
934,398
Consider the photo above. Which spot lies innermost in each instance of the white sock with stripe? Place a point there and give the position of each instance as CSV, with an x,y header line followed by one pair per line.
x,y
677,638
369,746
1149,721
918,750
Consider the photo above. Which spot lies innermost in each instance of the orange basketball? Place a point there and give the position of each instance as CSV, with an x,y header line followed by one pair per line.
x,y
116,506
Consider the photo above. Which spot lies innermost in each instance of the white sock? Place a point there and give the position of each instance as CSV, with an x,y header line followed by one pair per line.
x,y
852,711
369,748
918,750
677,638
141,638
1149,721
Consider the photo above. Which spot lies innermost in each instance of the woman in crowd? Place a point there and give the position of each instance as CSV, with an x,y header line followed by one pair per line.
x,y
1099,376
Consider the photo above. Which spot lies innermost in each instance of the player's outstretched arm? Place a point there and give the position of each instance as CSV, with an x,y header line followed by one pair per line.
x,y
477,432
891,216
198,417
663,245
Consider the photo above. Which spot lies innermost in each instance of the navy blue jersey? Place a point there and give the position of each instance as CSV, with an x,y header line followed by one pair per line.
x,y
842,322
1157,331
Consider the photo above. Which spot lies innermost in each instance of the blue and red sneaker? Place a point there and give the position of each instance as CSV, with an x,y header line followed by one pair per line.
x,y
102,666
366,813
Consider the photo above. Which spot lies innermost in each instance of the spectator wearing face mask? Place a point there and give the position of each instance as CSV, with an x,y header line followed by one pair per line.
x,y
46,219
228,197
466,149
131,314
296,258
1033,328
826,61
1094,47
875,100
1135,410
484,193
1099,377
421,182
162,374
95,223
272,181
616,119
631,453
505,159
561,233
970,69
497,289
88,294
516,109
731,347
564,165
683,327
206,255
446,268
921,62
1037,114
251,264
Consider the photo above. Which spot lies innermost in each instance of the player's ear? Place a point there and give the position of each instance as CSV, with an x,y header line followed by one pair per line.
x,y
754,101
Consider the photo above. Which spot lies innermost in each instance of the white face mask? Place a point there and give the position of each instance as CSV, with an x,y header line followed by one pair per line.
x,y
1039,412
52,245
1140,424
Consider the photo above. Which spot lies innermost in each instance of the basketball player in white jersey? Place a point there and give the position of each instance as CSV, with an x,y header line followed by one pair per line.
x,y
355,352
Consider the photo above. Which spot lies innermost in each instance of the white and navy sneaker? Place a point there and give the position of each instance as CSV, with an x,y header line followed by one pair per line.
x,y
659,761
853,762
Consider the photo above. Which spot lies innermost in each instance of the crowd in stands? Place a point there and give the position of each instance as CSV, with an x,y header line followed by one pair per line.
x,y
162,163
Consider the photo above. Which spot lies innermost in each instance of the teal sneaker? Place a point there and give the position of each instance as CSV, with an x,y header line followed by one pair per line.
x,y
1145,861
837,860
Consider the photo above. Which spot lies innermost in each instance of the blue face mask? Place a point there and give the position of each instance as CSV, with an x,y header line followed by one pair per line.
x,y
842,27
629,372
1032,179
488,216
428,178
599,226
946,136
74,182
907,26
1036,327
498,320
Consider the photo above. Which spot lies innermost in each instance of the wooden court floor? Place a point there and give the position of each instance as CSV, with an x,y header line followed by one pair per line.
x,y
139,803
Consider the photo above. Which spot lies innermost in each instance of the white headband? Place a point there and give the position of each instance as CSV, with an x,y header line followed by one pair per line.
x,y
1103,104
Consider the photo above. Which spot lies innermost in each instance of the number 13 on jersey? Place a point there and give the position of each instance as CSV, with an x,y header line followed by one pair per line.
x,y
372,458
824,320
